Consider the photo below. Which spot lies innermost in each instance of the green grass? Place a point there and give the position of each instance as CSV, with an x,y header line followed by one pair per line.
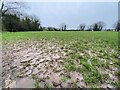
x,y
81,37
65,78
101,45
37,84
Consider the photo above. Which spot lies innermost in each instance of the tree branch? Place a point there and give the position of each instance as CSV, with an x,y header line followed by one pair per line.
x,y
2,6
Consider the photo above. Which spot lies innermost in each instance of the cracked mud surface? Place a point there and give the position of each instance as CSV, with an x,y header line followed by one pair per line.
x,y
33,61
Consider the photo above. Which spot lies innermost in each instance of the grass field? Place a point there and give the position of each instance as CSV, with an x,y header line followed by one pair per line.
x,y
90,60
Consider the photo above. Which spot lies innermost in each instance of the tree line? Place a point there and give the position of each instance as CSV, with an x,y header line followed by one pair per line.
x,y
98,26
13,21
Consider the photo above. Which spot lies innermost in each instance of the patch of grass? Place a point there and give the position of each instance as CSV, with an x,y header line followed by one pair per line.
x,y
65,78
37,84
100,62
91,74
48,86
105,77
70,65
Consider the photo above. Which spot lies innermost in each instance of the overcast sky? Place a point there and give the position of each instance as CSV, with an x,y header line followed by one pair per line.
x,y
74,13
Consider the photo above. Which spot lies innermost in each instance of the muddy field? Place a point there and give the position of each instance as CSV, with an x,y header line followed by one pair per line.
x,y
43,63
38,60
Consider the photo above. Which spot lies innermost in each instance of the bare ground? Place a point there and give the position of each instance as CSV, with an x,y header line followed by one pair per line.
x,y
25,63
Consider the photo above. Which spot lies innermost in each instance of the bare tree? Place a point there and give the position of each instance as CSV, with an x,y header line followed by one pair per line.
x,y
98,26
11,7
117,26
82,27
63,27
101,25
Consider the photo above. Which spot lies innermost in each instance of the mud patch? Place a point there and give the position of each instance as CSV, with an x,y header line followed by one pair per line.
x,y
32,61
